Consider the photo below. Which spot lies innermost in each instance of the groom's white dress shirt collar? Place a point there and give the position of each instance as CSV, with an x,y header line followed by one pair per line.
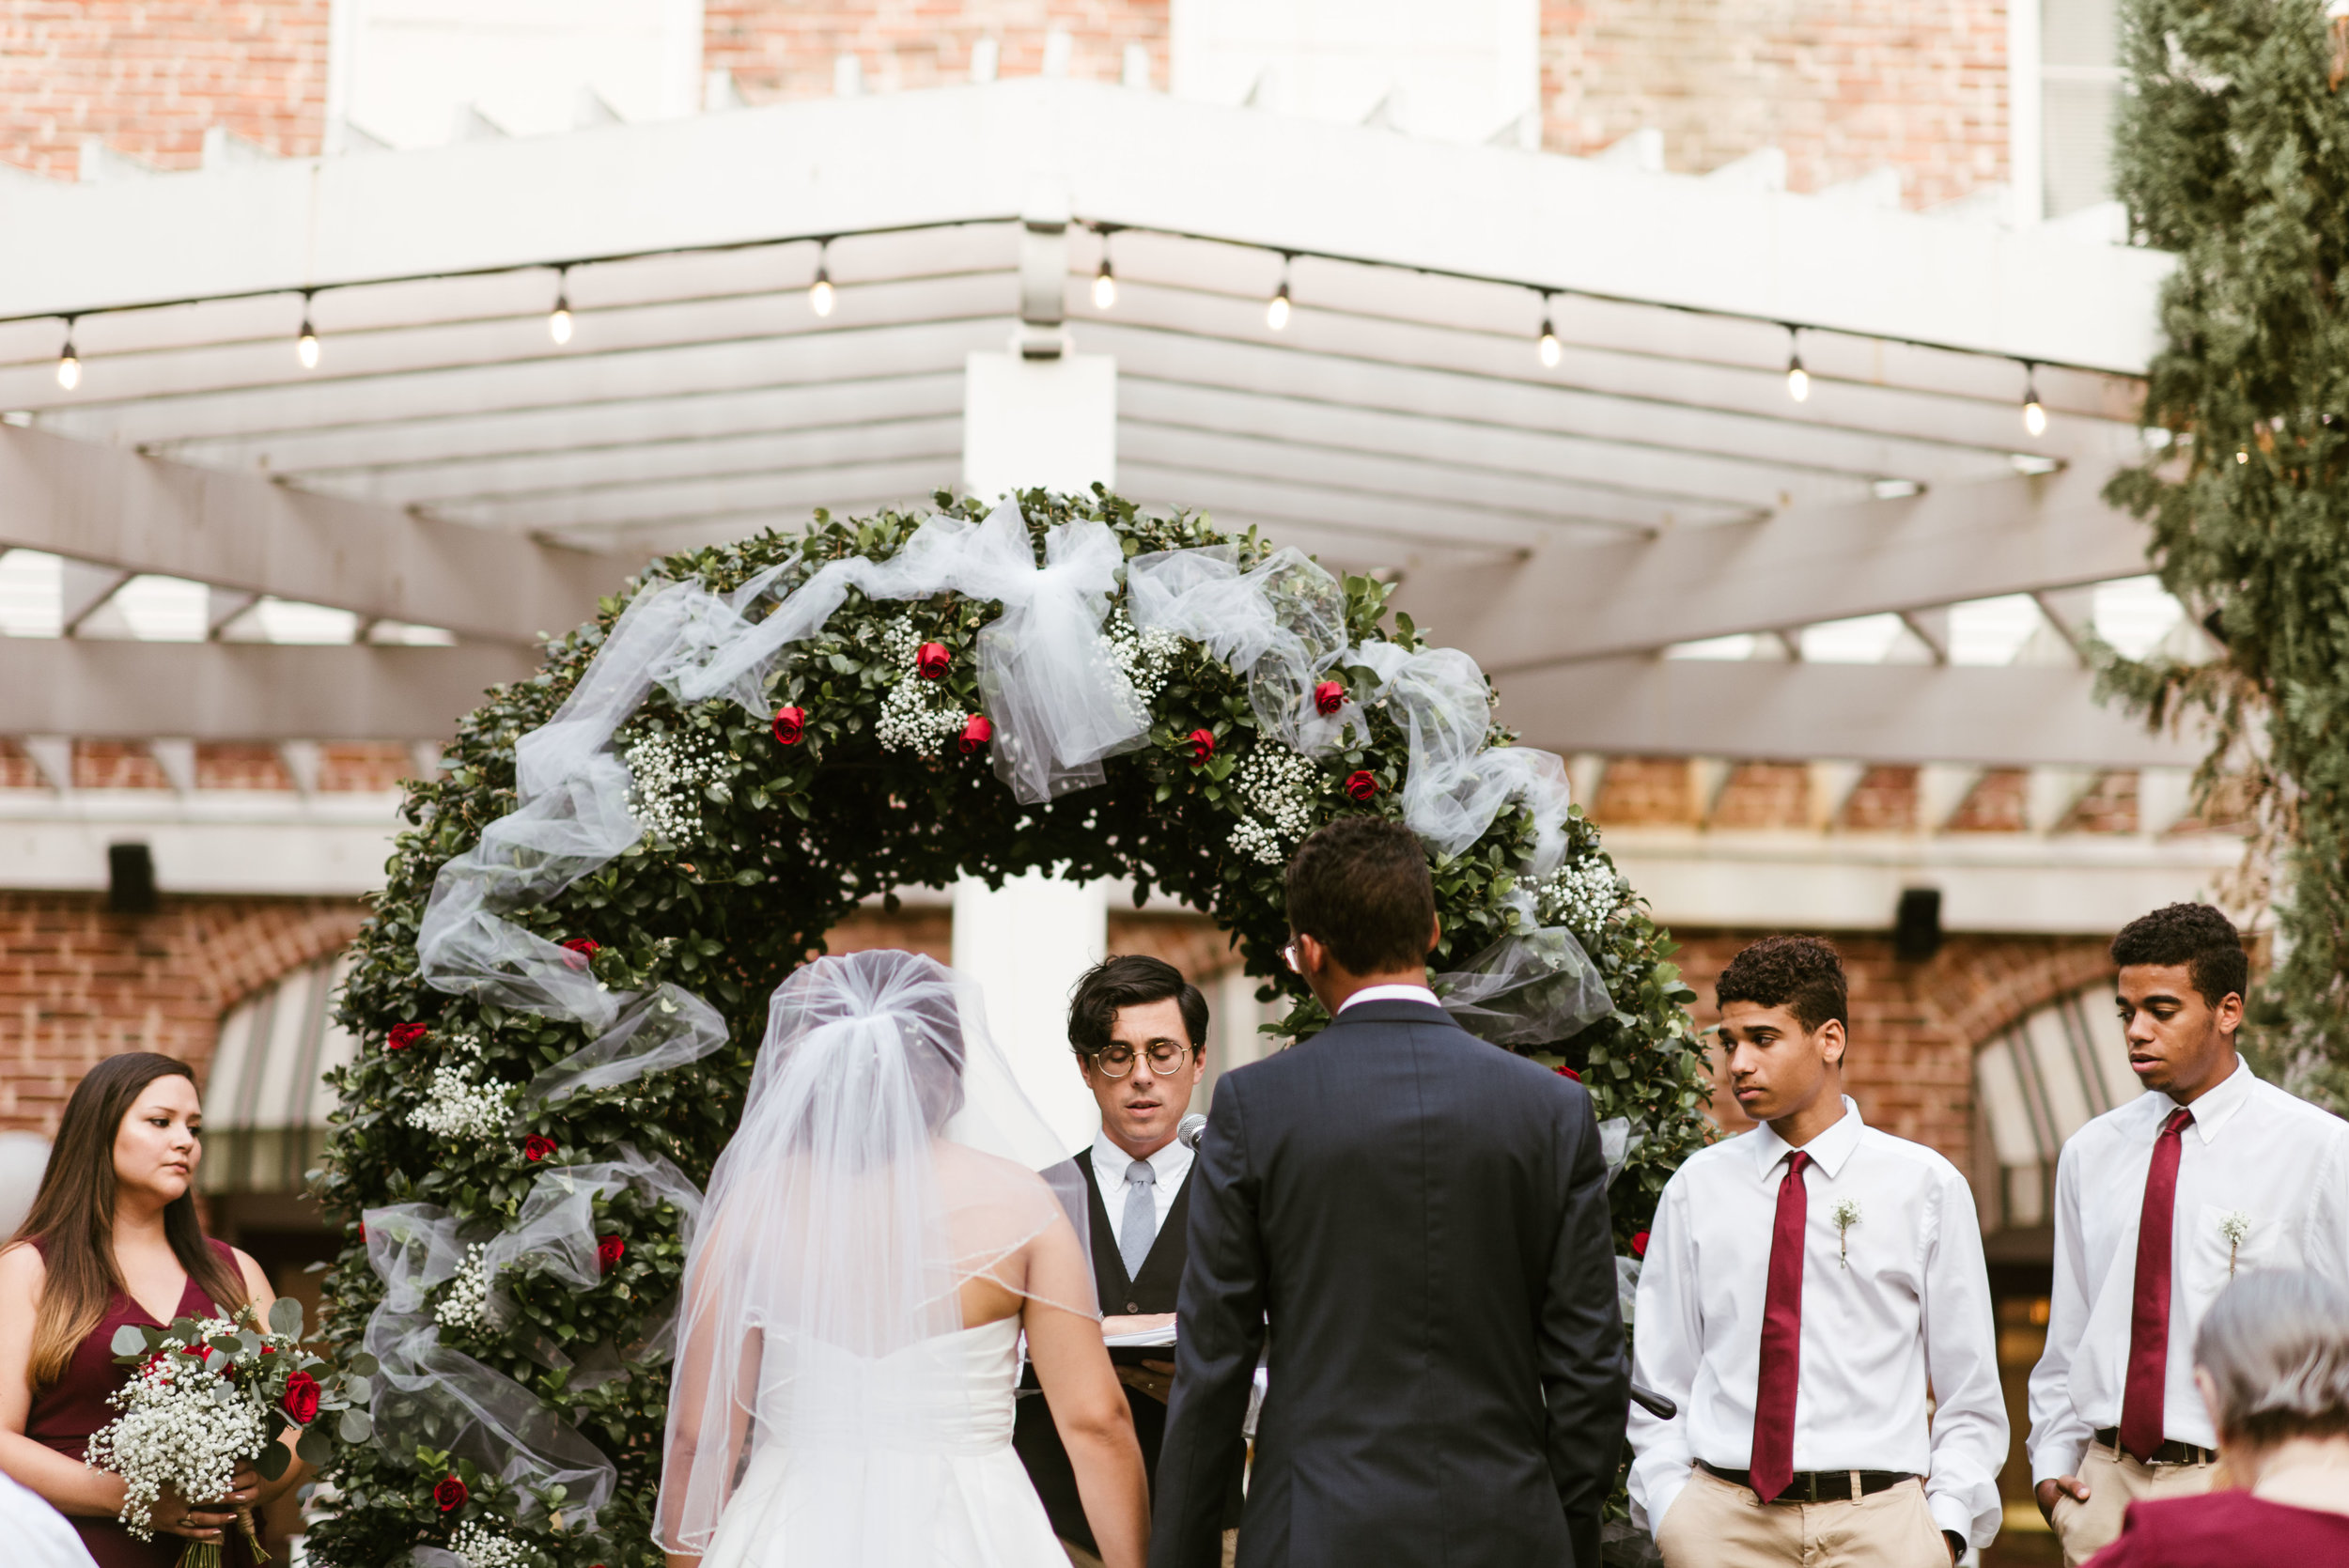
x,y
1893,1300
1391,993
2256,1161
1111,1163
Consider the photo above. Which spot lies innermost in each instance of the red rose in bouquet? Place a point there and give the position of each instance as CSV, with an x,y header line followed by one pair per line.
x,y
931,660
1329,697
301,1401
450,1495
1361,786
403,1036
790,723
975,733
536,1147
1201,746
608,1251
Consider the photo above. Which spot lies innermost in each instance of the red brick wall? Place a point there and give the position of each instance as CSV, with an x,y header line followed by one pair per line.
x,y
786,48
78,984
149,77
1844,86
1914,1027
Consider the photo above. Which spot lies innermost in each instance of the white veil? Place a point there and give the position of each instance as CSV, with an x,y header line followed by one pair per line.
x,y
886,1159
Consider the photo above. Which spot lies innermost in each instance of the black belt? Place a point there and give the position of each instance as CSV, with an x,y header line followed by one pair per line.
x,y
1818,1485
2171,1452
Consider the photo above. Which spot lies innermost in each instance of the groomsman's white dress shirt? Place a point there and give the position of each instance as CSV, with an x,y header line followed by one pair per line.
x,y
2252,1151
1111,1163
1898,1296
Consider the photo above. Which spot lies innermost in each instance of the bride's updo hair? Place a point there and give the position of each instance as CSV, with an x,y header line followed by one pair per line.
x,y
898,1015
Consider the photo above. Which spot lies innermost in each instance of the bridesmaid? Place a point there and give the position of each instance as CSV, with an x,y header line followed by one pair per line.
x,y
113,1238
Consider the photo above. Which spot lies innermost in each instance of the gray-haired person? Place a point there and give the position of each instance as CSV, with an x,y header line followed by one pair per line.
x,y
2272,1361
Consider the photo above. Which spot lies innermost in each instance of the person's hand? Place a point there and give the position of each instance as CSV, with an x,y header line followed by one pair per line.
x,y
1155,1379
207,1521
1956,1545
1140,1323
2055,1487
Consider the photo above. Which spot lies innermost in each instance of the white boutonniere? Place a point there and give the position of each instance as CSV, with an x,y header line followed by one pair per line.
x,y
2237,1229
1846,1216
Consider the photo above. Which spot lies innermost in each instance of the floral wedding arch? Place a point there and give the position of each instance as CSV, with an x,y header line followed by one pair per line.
x,y
564,985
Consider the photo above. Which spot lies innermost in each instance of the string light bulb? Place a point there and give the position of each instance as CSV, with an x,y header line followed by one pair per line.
x,y
1547,346
306,344
1798,378
820,293
1104,286
1276,310
2034,412
559,319
68,362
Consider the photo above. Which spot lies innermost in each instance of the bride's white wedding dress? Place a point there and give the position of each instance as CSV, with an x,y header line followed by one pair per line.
x,y
925,1460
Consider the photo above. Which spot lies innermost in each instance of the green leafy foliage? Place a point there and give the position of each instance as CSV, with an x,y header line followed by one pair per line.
x,y
790,839
2232,152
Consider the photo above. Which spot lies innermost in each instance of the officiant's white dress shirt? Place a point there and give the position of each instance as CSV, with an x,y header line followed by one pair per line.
x,y
1913,1304
1111,1163
2252,1150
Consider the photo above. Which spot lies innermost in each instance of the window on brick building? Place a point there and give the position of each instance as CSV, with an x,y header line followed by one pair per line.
x,y
2065,59
1468,70
2035,1085
414,73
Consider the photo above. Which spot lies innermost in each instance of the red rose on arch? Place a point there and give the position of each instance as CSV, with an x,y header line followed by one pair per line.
x,y
1202,744
790,723
536,1147
609,1252
931,660
1361,786
975,733
402,1036
582,948
300,1402
1638,1244
1563,1071
450,1495
1329,697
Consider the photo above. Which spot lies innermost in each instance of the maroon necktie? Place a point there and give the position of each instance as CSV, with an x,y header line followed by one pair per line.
x,y
1773,1462
2141,1396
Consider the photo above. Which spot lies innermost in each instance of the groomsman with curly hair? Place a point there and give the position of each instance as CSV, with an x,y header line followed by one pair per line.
x,y
2158,1203
1805,1284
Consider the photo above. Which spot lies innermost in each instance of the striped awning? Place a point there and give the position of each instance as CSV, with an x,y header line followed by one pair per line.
x,y
266,1101
2037,1083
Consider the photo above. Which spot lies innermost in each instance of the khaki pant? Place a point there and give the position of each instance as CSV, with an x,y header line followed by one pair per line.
x,y
2115,1481
1715,1525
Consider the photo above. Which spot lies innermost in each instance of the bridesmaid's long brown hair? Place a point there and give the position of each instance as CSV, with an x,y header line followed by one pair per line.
x,y
74,1215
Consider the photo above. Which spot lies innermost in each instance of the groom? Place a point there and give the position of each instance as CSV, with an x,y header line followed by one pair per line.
x,y
1418,1220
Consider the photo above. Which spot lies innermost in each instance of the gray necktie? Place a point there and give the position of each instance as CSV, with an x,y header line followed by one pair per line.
x,y
1140,1227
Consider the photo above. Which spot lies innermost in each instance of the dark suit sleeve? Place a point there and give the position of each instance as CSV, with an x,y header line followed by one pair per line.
x,y
1220,1328
1585,1376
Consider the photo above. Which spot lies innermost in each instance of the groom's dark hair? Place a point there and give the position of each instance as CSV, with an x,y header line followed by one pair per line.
x,y
1360,887
1131,980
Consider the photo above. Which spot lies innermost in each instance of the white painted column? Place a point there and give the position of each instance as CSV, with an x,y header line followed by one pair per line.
x,y
1026,422
1026,944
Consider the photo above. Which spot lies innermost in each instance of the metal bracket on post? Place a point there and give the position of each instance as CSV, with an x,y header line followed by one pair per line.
x,y
1043,271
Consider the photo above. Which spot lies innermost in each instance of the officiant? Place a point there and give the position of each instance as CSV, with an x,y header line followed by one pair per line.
x,y
1139,1030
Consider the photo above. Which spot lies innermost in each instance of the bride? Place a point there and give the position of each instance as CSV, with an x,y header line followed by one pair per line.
x,y
889,1220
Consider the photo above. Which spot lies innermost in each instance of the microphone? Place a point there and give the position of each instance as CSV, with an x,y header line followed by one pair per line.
x,y
1191,1130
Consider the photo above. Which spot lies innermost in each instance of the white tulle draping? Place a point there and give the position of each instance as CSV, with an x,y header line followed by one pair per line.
x,y
1282,624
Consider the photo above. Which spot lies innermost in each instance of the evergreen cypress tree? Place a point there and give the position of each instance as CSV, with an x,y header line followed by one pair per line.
x,y
2232,152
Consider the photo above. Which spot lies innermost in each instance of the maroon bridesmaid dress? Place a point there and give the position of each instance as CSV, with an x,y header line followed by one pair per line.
x,y
65,1414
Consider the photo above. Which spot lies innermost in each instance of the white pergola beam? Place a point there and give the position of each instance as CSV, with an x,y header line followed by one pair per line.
x,y
244,691
1954,543
121,510
2027,716
846,164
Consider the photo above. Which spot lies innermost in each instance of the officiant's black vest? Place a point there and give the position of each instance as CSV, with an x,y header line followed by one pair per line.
x,y
1152,1289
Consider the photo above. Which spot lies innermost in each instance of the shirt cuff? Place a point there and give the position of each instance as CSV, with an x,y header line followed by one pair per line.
x,y
1951,1514
2059,1456
1662,1503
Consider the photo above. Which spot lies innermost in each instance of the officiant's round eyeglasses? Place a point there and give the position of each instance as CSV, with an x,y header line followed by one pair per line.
x,y
1117,1061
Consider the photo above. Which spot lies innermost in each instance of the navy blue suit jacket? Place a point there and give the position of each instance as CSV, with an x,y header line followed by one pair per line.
x,y
1422,1217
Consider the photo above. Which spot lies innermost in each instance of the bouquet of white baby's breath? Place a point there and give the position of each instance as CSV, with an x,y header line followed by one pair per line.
x,y
212,1393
